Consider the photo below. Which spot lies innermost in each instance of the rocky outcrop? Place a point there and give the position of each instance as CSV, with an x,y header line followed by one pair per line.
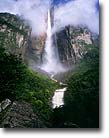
x,y
66,53
14,34
20,115
4,104
73,42
16,38
35,49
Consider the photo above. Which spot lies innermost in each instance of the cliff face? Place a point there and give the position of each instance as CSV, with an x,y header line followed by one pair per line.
x,y
35,49
15,37
14,34
73,42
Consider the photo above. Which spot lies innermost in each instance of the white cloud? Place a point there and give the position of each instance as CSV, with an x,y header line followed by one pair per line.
x,y
78,12
35,11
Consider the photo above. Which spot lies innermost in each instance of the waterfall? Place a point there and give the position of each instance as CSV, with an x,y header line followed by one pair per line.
x,y
51,62
58,97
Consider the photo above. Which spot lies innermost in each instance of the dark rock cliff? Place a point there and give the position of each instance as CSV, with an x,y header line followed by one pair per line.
x,y
15,37
14,34
35,50
73,42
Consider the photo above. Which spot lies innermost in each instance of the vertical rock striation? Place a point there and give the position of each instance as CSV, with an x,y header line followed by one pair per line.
x,y
72,43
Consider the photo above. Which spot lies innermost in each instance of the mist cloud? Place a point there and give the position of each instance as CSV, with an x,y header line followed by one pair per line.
x,y
34,11
78,12
75,12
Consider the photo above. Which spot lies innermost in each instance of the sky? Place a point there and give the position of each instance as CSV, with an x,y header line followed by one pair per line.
x,y
57,2
78,12
66,12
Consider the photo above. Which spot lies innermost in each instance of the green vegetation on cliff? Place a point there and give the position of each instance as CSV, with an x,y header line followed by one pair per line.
x,y
19,83
81,99
14,34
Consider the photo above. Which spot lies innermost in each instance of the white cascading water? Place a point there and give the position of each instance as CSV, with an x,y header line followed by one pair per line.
x,y
51,62
58,98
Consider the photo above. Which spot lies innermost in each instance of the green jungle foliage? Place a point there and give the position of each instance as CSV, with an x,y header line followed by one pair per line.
x,y
17,82
81,99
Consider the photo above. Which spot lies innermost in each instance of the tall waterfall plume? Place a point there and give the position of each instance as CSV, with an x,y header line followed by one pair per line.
x,y
51,62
